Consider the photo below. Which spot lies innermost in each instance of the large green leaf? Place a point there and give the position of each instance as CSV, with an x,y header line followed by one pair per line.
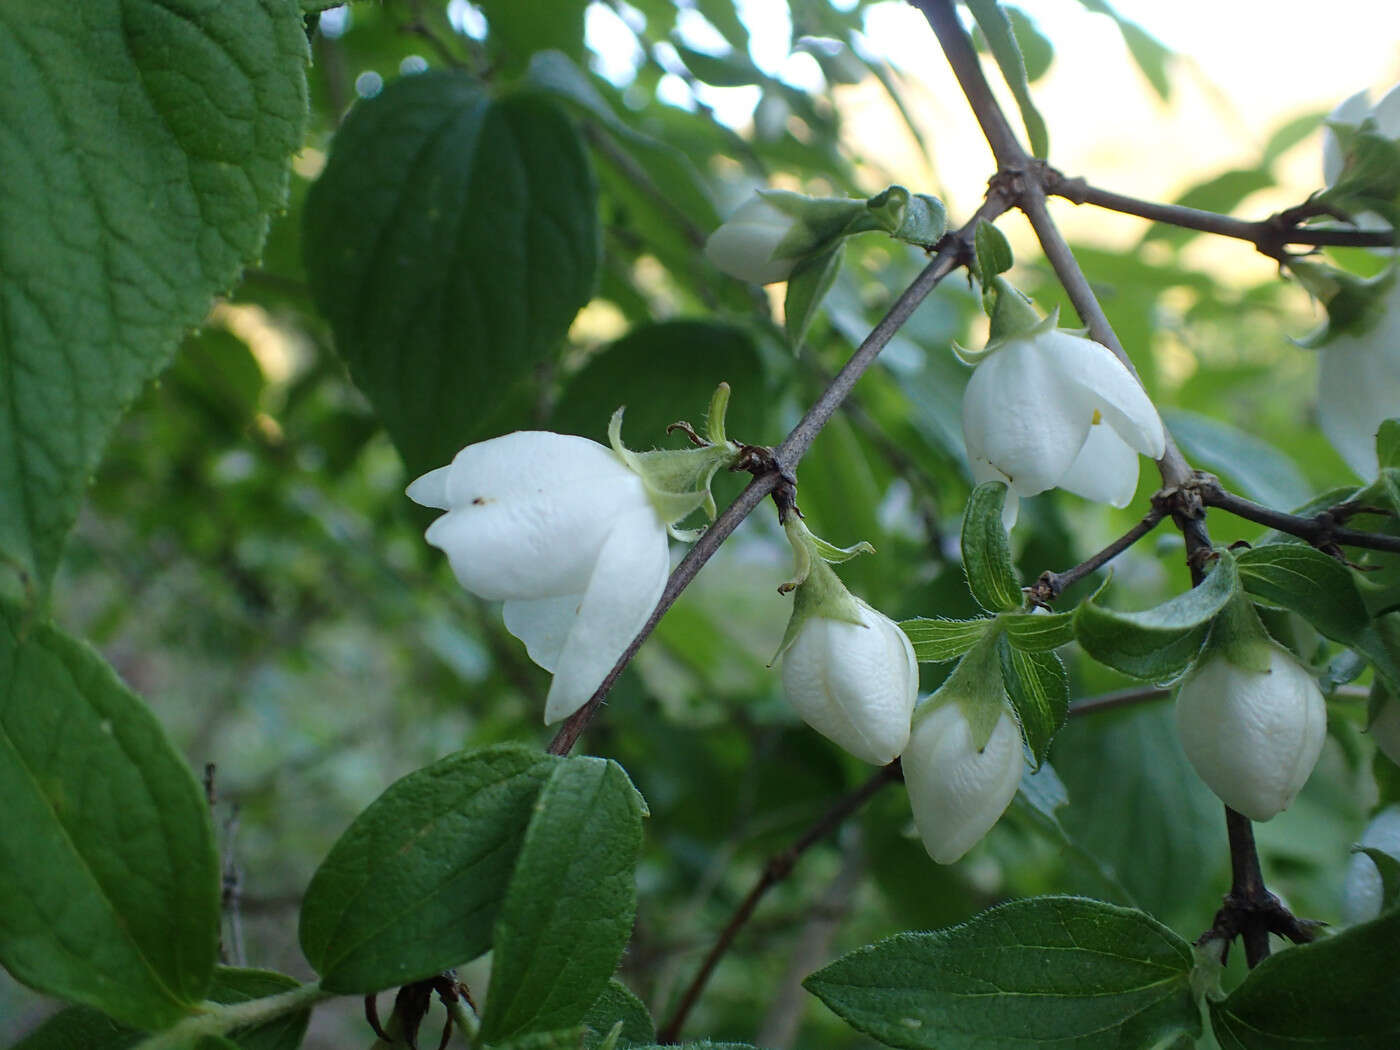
x,y
1316,586
145,144
568,913
1065,972
1338,993
450,241
414,885
109,880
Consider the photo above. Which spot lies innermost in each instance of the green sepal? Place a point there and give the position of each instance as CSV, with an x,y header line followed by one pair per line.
x,y
976,686
915,218
677,481
1238,635
993,254
820,220
1038,688
1354,305
818,590
1370,178
937,641
1009,321
806,288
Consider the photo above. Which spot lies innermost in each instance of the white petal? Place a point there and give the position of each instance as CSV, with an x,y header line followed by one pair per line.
x,y
530,511
1252,736
1387,113
1351,110
543,624
626,583
1362,892
1106,469
431,489
1358,388
956,792
1112,389
1023,418
856,684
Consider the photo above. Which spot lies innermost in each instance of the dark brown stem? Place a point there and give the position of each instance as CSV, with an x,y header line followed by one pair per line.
x,y
1052,584
1322,530
1270,236
785,457
778,867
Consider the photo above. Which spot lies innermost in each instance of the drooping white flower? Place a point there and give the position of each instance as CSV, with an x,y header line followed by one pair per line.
x,y
743,245
1362,891
1352,111
1252,736
957,792
564,533
855,683
1358,385
1047,408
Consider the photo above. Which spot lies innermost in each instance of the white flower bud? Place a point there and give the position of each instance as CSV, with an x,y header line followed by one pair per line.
x,y
1050,409
957,792
1252,736
565,534
1358,386
856,684
743,246
1352,112
1362,891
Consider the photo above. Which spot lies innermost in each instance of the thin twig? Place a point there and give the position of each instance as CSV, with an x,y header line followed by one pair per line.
x,y
778,867
1269,236
786,457
1052,584
1322,530
1093,705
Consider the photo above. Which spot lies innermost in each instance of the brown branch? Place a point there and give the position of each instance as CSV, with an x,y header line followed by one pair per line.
x,y
785,457
1093,705
1269,236
1323,530
778,867
1052,584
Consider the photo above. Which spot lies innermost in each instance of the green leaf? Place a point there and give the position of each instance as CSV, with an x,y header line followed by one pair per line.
x,y
1039,690
993,22
109,880
1314,585
145,146
238,985
986,553
79,1028
1388,444
618,1003
1157,643
1036,50
663,373
735,69
1258,469
806,289
1066,972
993,253
450,240
1037,632
518,29
1150,54
568,913
414,885
937,641
1337,993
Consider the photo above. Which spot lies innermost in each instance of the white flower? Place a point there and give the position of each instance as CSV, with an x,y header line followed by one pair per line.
x,y
1358,386
957,792
1048,408
1351,112
856,684
558,528
1362,891
1252,736
743,246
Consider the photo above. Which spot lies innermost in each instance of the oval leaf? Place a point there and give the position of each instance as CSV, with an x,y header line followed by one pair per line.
x,y
109,880
1337,993
568,913
1061,971
1161,642
450,241
1317,587
413,886
145,146
991,576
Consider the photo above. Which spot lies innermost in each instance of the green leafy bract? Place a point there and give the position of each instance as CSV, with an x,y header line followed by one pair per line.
x,y
146,143
1067,972
109,881
1039,690
1038,632
450,240
991,576
414,885
937,641
568,913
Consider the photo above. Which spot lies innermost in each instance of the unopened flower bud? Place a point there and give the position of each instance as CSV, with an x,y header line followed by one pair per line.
x,y
1252,735
1363,890
743,246
956,791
